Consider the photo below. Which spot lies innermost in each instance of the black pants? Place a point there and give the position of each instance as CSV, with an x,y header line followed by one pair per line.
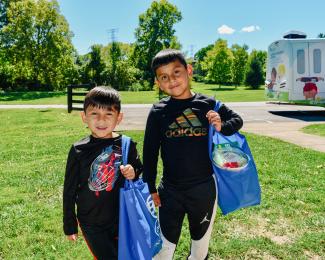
x,y
197,202
102,242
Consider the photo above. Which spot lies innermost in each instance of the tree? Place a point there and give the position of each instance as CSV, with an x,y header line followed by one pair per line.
x,y
218,63
321,35
5,66
155,32
126,50
199,71
254,74
95,66
38,44
4,4
81,64
120,73
122,76
5,71
239,63
261,57
115,54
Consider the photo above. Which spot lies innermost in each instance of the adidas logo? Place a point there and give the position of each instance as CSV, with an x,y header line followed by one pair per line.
x,y
186,125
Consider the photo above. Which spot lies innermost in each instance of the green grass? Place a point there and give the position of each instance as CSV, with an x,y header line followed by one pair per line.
x,y
315,129
225,93
289,224
230,93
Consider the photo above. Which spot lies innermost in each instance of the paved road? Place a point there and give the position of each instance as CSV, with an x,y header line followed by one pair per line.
x,y
251,112
281,121
284,121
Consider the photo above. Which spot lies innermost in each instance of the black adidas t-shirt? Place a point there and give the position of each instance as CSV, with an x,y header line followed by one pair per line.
x,y
179,129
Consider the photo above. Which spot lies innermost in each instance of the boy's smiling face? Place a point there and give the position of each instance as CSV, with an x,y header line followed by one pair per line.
x,y
174,79
101,121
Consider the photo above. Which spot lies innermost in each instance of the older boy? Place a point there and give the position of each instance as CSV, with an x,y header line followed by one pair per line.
x,y
178,125
94,175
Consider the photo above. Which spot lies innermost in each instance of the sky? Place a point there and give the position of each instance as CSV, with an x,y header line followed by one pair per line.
x,y
255,23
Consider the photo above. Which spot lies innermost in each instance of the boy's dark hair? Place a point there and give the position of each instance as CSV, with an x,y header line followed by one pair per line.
x,y
103,97
167,56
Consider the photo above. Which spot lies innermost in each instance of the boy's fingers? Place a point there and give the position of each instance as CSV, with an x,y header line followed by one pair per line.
x,y
157,202
156,199
72,237
124,169
212,115
127,171
209,113
130,176
215,122
215,117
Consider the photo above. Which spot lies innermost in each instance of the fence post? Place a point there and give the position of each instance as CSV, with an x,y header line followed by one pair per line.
x,y
69,95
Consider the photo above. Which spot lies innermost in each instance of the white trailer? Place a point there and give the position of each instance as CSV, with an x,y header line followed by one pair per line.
x,y
296,70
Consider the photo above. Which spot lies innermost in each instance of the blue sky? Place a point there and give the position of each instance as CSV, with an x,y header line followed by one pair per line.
x,y
253,22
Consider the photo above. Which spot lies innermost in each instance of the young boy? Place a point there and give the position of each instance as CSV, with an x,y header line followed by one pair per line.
x,y
94,175
178,125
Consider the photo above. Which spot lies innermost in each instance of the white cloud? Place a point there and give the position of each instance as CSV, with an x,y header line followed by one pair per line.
x,y
251,28
224,29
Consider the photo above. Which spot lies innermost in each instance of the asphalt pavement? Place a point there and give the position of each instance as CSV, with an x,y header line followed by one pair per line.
x,y
276,120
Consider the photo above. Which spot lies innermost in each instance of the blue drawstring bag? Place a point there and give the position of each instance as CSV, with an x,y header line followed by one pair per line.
x,y
235,170
139,230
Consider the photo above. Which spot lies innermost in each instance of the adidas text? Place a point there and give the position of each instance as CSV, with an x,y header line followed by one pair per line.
x,y
190,131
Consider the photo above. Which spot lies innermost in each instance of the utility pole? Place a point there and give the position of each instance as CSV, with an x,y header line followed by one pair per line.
x,y
114,54
192,50
112,33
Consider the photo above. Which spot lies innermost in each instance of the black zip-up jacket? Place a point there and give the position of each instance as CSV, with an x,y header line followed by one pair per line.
x,y
179,128
96,156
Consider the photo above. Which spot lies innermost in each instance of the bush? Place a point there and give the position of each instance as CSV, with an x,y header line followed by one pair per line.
x,y
140,86
198,78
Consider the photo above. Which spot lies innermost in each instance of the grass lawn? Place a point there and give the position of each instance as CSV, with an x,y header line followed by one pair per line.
x,y
230,93
289,224
226,94
315,129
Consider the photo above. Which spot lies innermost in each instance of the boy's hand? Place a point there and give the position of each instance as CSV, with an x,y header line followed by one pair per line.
x,y
214,119
72,237
127,171
156,199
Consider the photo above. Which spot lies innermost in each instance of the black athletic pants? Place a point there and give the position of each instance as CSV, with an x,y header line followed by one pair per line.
x,y
197,202
102,242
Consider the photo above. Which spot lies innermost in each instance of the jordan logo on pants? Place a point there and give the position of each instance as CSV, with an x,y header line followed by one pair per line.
x,y
205,219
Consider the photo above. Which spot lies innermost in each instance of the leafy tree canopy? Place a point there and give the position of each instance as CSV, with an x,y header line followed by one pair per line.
x,y
155,32
254,74
218,63
38,43
239,63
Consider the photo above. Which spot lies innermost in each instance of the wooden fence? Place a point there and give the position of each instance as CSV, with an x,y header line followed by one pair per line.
x,y
77,91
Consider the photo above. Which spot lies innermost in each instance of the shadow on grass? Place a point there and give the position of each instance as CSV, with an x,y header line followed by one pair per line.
x,y
221,89
228,89
14,96
214,87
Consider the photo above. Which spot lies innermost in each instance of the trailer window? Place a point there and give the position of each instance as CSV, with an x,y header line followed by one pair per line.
x,y
317,61
301,61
